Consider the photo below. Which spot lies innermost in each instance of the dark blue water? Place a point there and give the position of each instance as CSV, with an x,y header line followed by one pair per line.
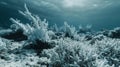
x,y
100,17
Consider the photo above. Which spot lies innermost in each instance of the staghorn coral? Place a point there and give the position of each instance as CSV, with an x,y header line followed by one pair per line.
x,y
70,48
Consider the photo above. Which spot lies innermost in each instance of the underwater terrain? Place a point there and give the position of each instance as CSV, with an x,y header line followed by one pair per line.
x,y
36,44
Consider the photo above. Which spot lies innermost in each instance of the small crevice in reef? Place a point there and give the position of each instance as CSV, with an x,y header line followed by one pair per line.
x,y
38,46
16,36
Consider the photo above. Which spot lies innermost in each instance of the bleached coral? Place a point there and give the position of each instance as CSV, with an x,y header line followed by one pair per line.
x,y
69,30
70,48
37,29
2,45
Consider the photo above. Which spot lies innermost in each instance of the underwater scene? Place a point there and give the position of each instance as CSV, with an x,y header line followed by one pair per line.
x,y
59,33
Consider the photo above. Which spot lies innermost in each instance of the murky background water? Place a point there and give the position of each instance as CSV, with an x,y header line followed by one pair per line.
x,y
98,13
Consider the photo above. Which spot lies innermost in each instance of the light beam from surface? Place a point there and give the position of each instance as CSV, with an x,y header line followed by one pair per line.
x,y
74,3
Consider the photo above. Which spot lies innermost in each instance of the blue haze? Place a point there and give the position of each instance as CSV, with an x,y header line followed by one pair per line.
x,y
100,17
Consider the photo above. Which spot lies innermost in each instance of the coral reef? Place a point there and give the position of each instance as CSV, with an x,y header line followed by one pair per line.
x,y
34,44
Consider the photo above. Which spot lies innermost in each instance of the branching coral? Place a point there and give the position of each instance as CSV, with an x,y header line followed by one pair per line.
x,y
36,30
70,48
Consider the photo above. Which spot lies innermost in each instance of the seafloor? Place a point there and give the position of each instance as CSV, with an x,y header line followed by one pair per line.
x,y
35,44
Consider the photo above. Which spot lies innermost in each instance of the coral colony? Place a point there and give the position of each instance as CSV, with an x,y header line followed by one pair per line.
x,y
35,44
